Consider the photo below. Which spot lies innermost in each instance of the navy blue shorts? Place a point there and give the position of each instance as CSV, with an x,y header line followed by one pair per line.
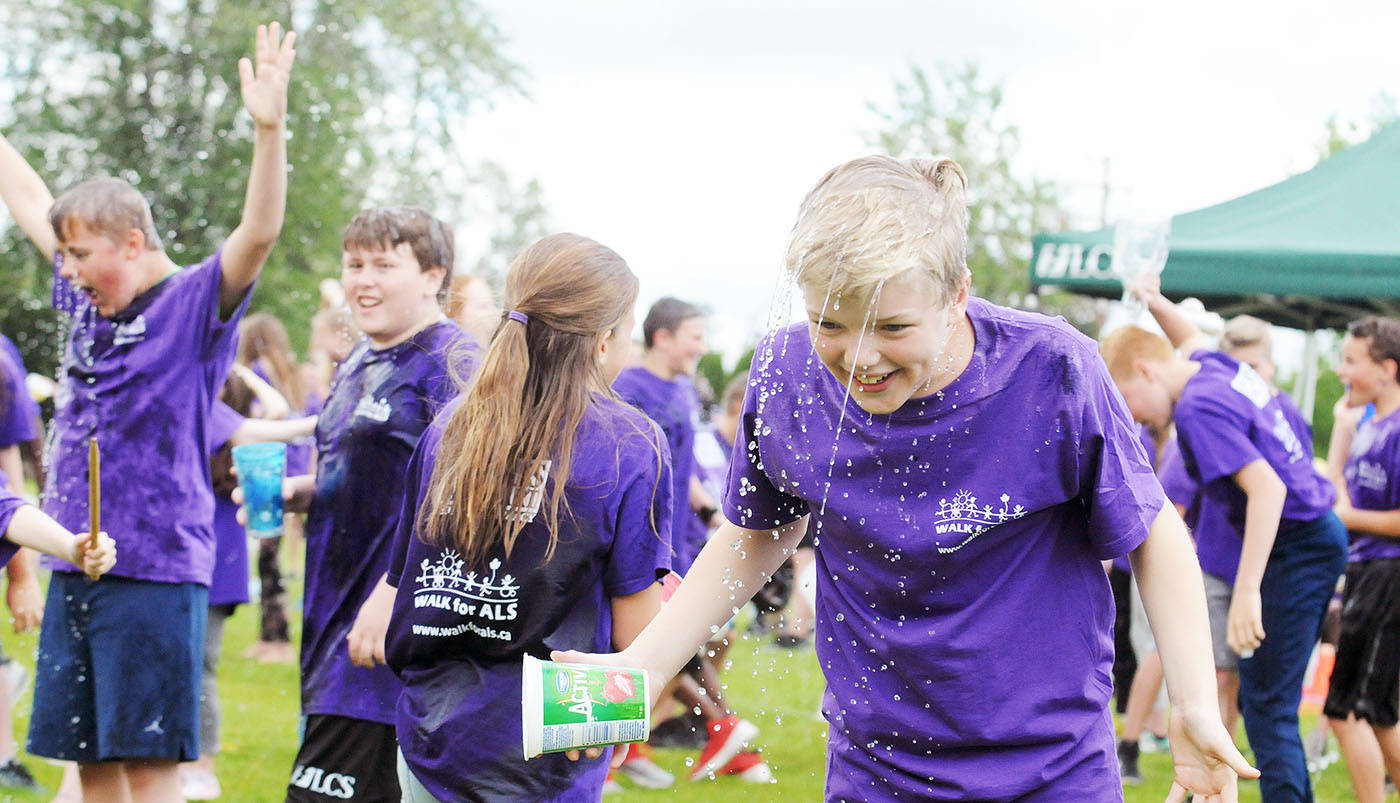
x,y
118,670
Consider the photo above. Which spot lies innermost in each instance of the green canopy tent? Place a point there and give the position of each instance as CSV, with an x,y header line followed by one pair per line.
x,y
1314,251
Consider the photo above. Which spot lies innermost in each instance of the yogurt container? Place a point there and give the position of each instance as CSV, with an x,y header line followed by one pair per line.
x,y
575,706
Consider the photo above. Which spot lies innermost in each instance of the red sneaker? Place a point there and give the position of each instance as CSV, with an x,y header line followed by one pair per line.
x,y
728,737
749,766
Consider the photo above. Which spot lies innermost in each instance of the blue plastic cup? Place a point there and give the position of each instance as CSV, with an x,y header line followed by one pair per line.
x,y
260,470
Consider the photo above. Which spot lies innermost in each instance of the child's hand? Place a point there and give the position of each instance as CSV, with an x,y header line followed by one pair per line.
x,y
366,638
25,601
1207,761
1145,286
265,89
1244,630
96,556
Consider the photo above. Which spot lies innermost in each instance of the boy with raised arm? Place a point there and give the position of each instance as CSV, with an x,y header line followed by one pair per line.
x,y
117,686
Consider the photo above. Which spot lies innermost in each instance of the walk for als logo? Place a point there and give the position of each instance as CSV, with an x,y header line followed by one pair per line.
x,y
962,517
477,598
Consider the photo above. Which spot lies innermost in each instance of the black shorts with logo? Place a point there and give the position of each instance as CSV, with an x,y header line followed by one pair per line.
x,y
342,758
1366,677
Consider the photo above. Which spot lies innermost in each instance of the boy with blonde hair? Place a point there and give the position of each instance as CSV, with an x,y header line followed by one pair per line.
x,y
117,686
966,468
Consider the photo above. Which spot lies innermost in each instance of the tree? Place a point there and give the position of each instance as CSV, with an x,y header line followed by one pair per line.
x,y
957,114
1340,134
148,91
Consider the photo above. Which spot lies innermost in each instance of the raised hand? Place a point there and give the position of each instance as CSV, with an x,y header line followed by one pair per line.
x,y
265,86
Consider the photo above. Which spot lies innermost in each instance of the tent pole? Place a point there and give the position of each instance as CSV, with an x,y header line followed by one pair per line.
x,y
1307,381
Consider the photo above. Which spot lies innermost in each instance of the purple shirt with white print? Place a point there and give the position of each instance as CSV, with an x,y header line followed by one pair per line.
x,y
379,405
1228,417
143,382
458,632
958,546
1372,474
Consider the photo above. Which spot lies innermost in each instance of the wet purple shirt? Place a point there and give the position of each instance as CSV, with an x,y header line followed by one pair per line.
x,y
674,405
964,620
143,381
458,632
1228,417
379,405
18,411
9,503
229,585
1372,474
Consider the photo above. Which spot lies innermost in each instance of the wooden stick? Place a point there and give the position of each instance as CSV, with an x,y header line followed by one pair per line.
x,y
94,493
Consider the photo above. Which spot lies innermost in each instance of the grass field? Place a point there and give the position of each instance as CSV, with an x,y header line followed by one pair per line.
x,y
777,689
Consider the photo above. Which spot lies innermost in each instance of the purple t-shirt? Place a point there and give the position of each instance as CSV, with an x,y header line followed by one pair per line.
x,y
229,585
458,632
143,382
18,411
9,503
964,621
1372,474
1228,417
675,405
379,405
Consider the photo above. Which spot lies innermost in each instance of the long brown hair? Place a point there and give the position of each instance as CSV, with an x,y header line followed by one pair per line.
x,y
523,408
263,337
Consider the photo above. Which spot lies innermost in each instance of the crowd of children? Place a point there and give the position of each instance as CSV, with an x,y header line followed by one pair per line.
x,y
953,474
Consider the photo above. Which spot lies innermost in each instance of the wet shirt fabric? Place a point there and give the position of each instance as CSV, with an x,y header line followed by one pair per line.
x,y
9,503
229,585
958,547
18,411
1228,417
379,405
143,382
674,404
1372,474
458,632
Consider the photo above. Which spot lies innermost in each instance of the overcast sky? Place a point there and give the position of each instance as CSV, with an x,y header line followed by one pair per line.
x,y
684,134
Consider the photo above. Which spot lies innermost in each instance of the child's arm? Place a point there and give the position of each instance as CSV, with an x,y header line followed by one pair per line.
x,y
366,637
265,97
261,430
1265,493
274,404
1167,574
32,528
731,568
1345,420
1183,334
27,197
22,595
1385,523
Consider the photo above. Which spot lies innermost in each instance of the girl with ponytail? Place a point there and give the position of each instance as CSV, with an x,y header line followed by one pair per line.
x,y
534,520
965,468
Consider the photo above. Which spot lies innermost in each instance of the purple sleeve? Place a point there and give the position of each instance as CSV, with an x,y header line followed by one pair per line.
x,y
750,499
9,504
641,549
1213,437
220,336
223,422
17,410
1119,489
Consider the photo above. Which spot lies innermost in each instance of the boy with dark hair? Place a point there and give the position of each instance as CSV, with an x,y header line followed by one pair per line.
x,y
1367,670
149,345
397,264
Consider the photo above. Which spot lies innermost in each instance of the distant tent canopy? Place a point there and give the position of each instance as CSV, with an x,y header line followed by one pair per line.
x,y
1315,251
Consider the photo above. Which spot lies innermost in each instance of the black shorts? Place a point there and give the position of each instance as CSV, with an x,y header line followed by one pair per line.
x,y
1366,678
342,758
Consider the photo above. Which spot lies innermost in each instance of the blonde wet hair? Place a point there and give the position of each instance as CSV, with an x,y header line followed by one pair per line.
x,y
873,219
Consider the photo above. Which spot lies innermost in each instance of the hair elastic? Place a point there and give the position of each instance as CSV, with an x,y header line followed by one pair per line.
x,y
518,316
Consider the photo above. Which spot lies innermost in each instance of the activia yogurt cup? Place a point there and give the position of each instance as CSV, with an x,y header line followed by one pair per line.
x,y
574,706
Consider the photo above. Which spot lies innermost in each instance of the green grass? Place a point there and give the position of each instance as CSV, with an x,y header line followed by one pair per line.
x,y
777,689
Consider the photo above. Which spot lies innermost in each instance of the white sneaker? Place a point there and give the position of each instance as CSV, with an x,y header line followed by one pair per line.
x,y
199,784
